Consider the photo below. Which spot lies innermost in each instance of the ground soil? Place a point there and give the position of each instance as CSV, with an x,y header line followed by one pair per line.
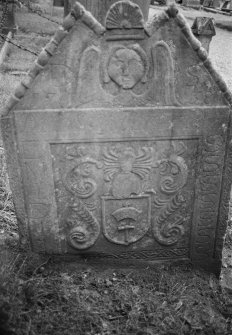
x,y
42,296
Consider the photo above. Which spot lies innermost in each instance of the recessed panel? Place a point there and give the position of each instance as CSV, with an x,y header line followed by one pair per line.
x,y
129,195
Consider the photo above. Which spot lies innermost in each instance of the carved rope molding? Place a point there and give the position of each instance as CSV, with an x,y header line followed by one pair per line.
x,y
79,13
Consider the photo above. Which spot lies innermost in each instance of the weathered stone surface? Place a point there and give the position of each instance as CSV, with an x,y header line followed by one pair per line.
x,y
120,147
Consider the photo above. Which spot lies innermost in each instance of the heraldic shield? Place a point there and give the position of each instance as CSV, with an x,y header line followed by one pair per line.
x,y
125,221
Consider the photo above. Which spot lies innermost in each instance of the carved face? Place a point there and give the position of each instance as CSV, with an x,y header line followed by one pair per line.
x,y
126,68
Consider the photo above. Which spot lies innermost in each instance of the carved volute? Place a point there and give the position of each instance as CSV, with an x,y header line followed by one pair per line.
x,y
99,8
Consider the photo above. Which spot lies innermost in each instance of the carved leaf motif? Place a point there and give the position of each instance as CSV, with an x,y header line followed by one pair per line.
x,y
84,228
168,231
168,225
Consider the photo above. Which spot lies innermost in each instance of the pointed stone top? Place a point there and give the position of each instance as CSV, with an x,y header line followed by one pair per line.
x,y
124,21
204,26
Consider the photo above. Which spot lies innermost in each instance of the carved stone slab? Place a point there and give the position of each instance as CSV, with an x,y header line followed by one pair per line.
x,y
118,142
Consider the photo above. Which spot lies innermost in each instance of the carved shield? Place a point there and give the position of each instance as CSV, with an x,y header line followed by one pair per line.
x,y
125,221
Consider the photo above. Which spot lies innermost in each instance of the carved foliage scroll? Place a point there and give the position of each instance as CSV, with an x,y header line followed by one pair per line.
x,y
168,225
83,227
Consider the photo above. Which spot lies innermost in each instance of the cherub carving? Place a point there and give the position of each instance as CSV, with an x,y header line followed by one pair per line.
x,y
126,66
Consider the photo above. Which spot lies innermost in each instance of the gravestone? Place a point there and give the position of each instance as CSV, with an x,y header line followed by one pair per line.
x,y
227,6
192,3
118,142
212,3
204,30
8,17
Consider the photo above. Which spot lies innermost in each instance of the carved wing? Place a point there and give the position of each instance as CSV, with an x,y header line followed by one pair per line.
x,y
111,164
164,81
89,87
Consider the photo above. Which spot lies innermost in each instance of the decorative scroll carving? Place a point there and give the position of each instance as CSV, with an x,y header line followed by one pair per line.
x,y
209,195
126,169
164,80
78,180
167,225
173,173
83,228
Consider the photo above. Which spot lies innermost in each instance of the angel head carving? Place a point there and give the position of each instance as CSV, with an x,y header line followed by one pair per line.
x,y
126,66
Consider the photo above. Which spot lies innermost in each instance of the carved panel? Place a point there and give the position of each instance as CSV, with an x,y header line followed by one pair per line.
x,y
134,192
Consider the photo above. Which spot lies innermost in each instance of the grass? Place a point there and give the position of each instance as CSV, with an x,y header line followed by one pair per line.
x,y
83,299
8,223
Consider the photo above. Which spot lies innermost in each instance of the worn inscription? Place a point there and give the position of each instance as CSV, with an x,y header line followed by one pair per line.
x,y
209,195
